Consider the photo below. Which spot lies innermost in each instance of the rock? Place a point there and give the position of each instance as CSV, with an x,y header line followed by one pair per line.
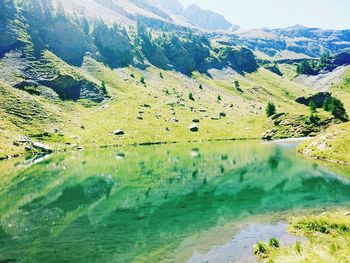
x,y
215,118
347,214
222,114
202,110
42,147
28,148
196,120
167,129
193,128
120,156
119,132
82,127
174,120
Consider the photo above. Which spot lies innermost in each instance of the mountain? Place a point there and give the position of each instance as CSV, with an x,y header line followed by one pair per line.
x,y
206,19
294,42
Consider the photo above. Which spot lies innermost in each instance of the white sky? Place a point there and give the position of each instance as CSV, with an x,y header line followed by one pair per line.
x,y
333,14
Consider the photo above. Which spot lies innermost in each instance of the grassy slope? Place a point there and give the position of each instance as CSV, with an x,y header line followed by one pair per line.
x,y
168,98
328,240
334,144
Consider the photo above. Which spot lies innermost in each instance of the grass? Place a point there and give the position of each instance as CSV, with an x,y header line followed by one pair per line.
x,y
145,112
327,240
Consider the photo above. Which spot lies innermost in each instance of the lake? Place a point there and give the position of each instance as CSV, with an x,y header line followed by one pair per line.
x,y
203,202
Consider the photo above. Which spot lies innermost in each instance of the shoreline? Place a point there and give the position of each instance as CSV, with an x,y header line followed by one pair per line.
x,y
8,157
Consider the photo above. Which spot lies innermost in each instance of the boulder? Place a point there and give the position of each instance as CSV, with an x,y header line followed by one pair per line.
x,y
196,120
193,128
119,132
222,114
41,147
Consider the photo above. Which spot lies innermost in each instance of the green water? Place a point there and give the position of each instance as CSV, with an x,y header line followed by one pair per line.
x,y
141,204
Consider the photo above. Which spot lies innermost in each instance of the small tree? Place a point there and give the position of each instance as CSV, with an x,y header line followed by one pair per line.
x,y
190,96
237,85
142,80
103,87
200,86
219,98
270,109
161,75
312,106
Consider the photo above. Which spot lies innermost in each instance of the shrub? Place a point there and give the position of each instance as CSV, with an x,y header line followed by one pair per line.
x,y
190,96
273,242
298,247
270,109
312,119
161,75
32,90
200,86
260,249
219,98
312,106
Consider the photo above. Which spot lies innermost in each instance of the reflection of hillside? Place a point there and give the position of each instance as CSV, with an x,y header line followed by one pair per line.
x,y
150,200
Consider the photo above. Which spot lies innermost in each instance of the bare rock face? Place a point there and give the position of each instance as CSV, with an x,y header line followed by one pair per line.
x,y
68,87
114,45
206,19
173,6
68,41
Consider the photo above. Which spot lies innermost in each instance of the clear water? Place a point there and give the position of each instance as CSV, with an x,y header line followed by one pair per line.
x,y
167,203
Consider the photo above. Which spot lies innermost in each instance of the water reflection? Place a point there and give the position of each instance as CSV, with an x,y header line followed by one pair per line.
x,y
139,204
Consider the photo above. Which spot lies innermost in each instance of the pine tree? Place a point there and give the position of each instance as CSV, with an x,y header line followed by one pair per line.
x,y
103,87
326,104
338,110
270,109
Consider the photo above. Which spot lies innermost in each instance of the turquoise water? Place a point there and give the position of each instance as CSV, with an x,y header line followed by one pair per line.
x,y
145,204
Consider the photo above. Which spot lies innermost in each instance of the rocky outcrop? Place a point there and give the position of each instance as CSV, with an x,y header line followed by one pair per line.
x,y
242,60
114,45
318,99
289,126
73,88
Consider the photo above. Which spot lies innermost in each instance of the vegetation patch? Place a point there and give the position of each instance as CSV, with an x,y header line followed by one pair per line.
x,y
327,240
